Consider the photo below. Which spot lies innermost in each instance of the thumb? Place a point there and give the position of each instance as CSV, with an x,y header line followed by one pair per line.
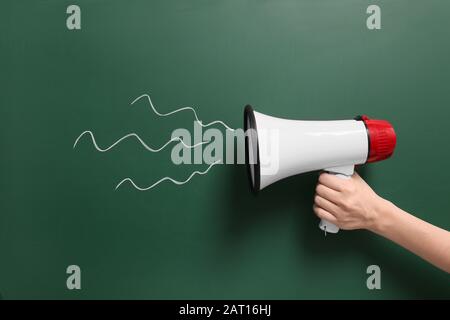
x,y
356,176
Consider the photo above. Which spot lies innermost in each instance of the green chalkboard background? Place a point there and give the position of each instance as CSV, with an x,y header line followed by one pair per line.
x,y
302,59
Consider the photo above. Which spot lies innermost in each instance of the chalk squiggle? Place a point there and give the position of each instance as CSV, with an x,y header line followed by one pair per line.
x,y
138,138
168,178
179,110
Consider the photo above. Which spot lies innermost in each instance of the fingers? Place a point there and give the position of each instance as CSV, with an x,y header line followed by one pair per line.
x,y
323,214
331,181
326,205
327,193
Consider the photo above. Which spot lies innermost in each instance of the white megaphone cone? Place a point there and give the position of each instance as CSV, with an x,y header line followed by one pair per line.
x,y
279,148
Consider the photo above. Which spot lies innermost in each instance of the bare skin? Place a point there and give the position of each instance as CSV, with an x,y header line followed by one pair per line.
x,y
352,204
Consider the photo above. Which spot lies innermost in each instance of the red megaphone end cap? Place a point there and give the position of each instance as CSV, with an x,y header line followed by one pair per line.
x,y
382,139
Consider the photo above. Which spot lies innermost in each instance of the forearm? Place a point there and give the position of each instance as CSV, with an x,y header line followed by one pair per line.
x,y
425,240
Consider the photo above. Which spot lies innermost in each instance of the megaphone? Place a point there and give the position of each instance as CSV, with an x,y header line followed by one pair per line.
x,y
278,148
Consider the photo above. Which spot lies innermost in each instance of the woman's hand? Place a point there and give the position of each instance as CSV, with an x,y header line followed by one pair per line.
x,y
347,203
352,204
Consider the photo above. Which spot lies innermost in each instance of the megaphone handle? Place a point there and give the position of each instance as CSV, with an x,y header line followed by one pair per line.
x,y
344,172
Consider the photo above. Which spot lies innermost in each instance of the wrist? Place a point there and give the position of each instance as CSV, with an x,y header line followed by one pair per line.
x,y
382,216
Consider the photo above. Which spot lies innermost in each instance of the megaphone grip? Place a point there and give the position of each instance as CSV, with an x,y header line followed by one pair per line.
x,y
343,173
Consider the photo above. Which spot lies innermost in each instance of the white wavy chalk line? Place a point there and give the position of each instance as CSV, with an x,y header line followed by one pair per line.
x,y
179,110
147,147
94,142
168,178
